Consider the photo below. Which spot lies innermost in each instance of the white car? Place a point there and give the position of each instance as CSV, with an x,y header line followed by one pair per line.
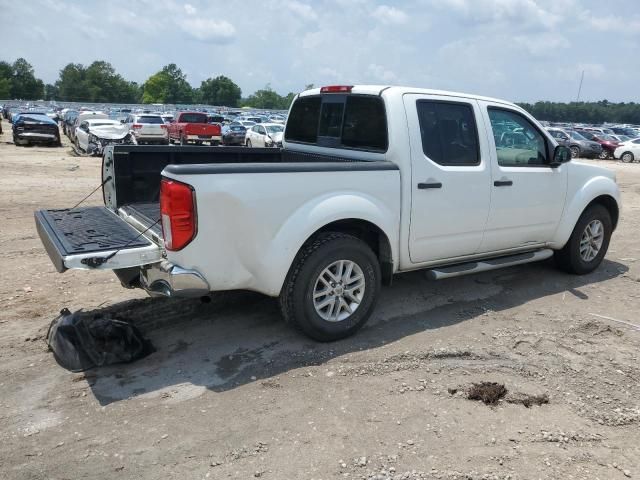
x,y
94,134
82,116
148,128
265,135
371,181
628,151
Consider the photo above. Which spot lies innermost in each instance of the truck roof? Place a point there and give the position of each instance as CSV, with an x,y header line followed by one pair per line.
x,y
378,89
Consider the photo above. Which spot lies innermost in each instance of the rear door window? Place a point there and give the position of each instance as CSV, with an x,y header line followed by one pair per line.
x,y
339,121
449,133
150,119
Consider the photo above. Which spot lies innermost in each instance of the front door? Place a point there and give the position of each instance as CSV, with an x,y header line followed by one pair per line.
x,y
528,195
450,177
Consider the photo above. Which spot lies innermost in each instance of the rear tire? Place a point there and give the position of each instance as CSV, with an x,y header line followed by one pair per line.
x,y
248,143
627,157
575,151
323,309
182,140
604,154
588,243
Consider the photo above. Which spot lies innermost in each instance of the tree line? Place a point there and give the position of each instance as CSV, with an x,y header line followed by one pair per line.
x,y
100,83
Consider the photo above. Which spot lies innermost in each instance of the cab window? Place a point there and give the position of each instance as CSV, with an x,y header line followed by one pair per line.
x,y
518,142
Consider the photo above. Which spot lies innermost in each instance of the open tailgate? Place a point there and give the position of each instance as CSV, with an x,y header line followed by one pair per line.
x,y
83,238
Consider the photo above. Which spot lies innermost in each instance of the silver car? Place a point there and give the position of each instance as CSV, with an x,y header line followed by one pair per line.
x,y
580,146
147,128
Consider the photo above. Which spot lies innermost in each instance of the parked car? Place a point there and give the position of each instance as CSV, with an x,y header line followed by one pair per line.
x,y
233,134
31,128
147,128
193,127
94,134
219,119
81,117
265,135
628,151
607,143
346,204
68,122
579,145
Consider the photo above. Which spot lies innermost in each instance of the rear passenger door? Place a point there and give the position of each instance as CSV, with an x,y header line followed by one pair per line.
x,y
450,177
527,194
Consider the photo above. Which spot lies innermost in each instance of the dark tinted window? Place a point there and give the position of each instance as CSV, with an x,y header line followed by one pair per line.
x,y
150,119
331,119
365,124
449,133
193,118
302,125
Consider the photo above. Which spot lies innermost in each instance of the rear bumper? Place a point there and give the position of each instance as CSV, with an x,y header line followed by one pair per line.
x,y
167,280
204,138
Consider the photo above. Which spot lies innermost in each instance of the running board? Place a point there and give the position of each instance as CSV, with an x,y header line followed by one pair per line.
x,y
486,265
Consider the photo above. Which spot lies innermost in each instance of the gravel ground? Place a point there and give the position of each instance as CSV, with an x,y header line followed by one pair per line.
x,y
234,393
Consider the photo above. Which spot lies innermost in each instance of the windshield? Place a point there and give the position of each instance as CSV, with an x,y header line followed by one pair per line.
x,y
105,124
576,136
237,128
274,128
151,119
193,118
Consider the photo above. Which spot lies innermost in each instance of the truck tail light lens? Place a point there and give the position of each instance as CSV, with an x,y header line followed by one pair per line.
x,y
178,213
337,89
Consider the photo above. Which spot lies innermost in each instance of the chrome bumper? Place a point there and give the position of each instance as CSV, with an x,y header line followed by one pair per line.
x,y
167,280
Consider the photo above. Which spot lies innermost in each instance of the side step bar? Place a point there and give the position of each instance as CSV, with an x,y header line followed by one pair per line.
x,y
486,265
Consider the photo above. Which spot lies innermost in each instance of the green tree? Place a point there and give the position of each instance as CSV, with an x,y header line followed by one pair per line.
x,y
24,84
6,76
269,99
50,92
169,85
71,85
220,91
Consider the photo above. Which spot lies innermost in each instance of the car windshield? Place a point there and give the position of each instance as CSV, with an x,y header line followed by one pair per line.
x,y
576,136
237,128
274,128
151,119
193,118
623,138
588,135
103,124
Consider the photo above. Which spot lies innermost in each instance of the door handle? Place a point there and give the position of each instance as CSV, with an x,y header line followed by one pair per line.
x,y
502,183
424,186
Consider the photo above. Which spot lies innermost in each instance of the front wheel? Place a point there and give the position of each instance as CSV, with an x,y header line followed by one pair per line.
x,y
627,157
332,287
588,243
604,154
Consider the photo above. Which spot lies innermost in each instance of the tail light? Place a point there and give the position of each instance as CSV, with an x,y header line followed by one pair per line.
x,y
178,213
163,126
136,126
337,89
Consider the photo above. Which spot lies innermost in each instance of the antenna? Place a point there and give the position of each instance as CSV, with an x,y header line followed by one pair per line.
x,y
580,87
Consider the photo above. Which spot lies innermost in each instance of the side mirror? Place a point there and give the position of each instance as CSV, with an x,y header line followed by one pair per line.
x,y
561,155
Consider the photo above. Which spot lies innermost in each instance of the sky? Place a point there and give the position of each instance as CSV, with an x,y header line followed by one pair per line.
x,y
518,50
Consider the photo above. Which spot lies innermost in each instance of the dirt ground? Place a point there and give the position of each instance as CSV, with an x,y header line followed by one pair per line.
x,y
232,392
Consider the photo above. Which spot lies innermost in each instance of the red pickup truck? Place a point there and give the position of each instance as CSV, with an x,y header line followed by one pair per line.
x,y
193,127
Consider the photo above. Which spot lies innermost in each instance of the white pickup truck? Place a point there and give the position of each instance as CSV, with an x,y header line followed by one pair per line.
x,y
371,181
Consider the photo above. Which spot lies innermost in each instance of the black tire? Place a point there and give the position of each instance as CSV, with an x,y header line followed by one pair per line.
x,y
182,140
575,151
604,154
248,143
296,297
569,258
627,157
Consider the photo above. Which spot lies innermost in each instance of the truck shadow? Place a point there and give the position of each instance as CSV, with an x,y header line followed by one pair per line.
x,y
239,337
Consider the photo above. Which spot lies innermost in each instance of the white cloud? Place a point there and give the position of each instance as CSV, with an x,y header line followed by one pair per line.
x,y
390,15
301,10
190,9
380,74
208,30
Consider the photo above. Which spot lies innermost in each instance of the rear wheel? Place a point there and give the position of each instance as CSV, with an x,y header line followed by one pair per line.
x,y
575,151
627,157
588,243
249,143
604,154
332,287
